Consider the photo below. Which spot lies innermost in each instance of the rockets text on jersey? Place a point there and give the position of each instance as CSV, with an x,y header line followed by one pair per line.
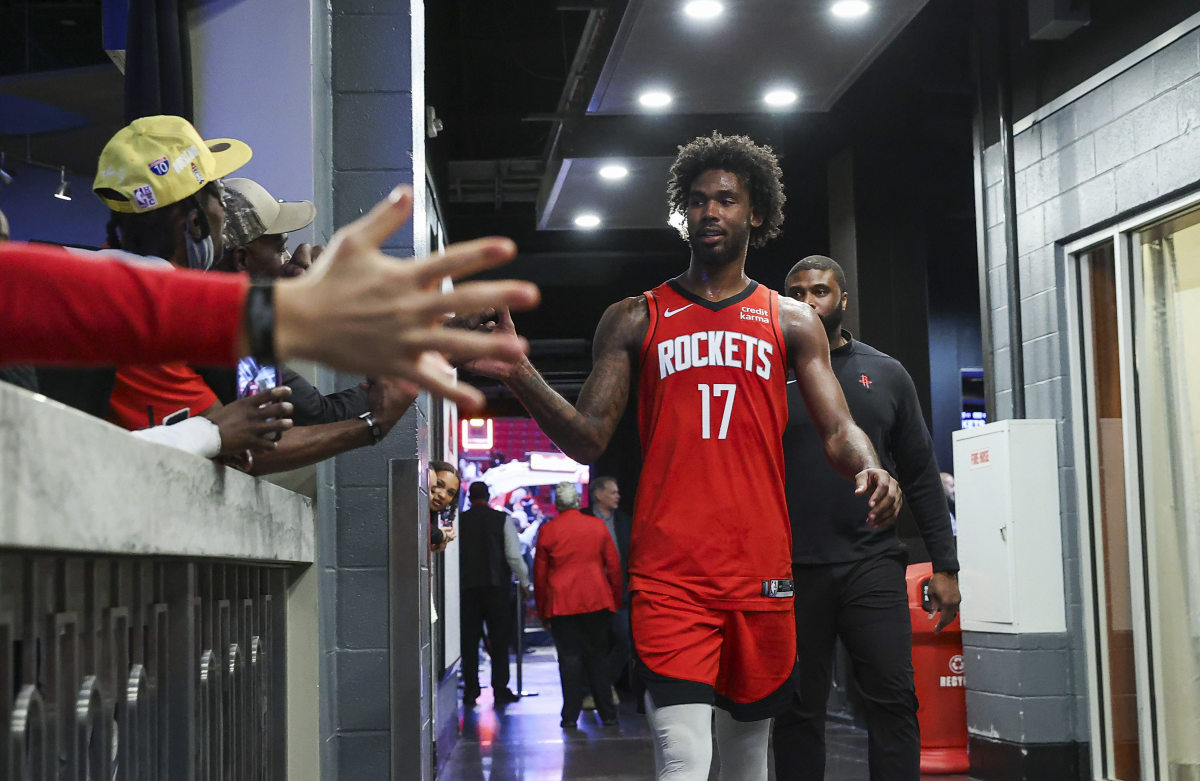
x,y
715,348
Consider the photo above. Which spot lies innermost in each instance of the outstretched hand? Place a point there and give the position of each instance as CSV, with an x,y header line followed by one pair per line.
x,y
886,497
361,311
497,322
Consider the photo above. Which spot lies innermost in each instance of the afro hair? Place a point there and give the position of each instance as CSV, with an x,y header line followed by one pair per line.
x,y
755,165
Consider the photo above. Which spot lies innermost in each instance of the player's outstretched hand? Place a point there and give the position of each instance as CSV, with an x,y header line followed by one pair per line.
x,y
363,312
886,497
498,322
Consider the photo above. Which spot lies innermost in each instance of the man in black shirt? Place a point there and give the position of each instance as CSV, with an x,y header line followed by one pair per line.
x,y
489,555
849,575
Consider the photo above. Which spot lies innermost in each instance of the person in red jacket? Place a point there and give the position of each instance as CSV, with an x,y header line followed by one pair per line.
x,y
577,583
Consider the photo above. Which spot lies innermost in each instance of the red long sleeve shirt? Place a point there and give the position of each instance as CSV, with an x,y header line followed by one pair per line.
x,y
61,306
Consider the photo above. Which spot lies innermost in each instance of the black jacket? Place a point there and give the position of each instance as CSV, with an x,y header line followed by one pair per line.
x,y
623,525
828,520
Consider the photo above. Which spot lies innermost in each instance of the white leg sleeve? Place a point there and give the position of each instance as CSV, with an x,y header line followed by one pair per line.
x,y
742,748
682,740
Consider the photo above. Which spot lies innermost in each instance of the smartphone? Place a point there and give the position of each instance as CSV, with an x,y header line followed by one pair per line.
x,y
177,416
253,377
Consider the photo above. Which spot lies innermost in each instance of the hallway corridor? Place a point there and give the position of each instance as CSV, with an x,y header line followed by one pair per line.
x,y
523,742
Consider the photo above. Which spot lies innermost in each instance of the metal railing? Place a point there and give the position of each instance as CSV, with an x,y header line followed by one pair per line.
x,y
143,632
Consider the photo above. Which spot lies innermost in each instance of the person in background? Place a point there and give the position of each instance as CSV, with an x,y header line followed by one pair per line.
x,y
605,496
165,201
850,575
256,232
255,241
578,587
489,557
443,497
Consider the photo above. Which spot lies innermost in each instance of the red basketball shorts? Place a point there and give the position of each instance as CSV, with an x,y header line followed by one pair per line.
x,y
740,660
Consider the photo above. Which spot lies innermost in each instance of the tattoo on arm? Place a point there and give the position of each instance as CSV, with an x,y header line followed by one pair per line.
x,y
583,431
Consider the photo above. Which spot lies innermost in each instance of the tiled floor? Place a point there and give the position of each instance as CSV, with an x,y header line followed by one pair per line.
x,y
523,742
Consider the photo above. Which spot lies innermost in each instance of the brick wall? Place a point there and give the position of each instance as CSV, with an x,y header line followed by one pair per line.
x,y
364,107
1132,141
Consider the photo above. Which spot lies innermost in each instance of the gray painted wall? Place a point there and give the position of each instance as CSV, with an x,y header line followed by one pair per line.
x,y
364,148
1130,142
251,65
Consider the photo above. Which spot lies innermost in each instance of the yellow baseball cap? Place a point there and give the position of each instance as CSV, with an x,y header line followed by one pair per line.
x,y
157,161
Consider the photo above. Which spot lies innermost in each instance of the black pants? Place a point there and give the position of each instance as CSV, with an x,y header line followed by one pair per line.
x,y
620,656
582,644
865,603
492,604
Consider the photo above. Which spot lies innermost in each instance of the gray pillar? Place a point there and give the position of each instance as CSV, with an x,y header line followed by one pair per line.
x,y
374,591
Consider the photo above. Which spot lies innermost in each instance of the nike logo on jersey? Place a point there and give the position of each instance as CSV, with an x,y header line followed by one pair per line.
x,y
669,312
715,348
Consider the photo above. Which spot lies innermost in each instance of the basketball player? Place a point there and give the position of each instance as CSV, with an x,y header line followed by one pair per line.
x,y
710,555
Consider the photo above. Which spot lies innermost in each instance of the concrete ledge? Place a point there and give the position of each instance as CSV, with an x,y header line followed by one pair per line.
x,y
72,482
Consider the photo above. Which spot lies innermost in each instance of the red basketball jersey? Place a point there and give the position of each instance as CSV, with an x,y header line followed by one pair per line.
x,y
710,520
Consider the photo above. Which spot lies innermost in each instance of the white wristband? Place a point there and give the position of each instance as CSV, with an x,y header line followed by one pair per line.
x,y
198,435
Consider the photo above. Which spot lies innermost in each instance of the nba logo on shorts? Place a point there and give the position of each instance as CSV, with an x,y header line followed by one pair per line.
x,y
160,166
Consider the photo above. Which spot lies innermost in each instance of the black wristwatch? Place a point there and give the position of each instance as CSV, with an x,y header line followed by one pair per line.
x,y
260,321
373,425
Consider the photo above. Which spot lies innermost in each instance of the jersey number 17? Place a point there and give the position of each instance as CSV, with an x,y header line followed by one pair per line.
x,y
707,394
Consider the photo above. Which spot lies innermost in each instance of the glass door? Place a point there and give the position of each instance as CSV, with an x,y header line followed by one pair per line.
x,y
1136,296
1116,752
1167,349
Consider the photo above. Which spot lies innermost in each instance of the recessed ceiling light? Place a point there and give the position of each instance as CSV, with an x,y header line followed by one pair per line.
x,y
703,9
614,171
777,98
587,221
850,9
654,99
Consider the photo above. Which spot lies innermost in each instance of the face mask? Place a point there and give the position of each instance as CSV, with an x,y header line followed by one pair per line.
x,y
199,251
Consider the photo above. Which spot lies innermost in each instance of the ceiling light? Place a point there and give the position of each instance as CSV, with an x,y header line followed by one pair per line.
x,y
5,176
587,221
63,193
614,172
778,98
850,9
703,9
654,99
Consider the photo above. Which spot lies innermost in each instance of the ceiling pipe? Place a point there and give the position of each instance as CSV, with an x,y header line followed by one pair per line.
x,y
1016,351
600,25
986,325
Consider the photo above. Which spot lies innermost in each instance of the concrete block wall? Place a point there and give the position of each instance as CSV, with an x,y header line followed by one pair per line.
x,y
1116,150
364,109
